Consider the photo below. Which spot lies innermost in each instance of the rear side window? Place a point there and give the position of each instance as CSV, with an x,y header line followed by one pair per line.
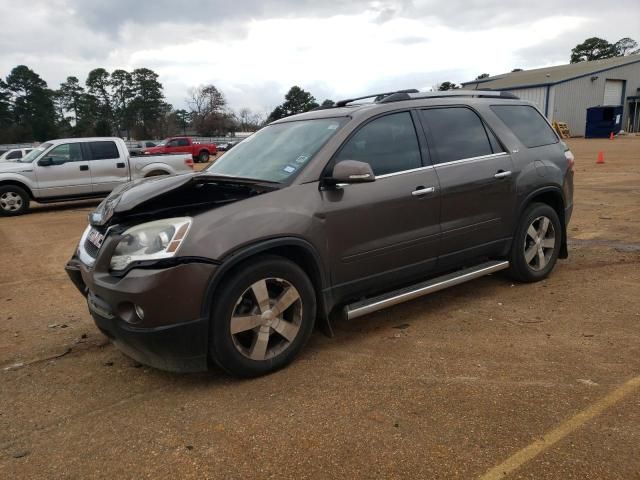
x,y
389,144
527,124
458,133
103,150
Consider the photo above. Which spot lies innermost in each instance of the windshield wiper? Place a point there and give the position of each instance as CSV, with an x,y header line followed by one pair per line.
x,y
232,179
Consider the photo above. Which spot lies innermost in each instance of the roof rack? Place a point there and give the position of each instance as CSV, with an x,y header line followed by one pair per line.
x,y
342,103
399,96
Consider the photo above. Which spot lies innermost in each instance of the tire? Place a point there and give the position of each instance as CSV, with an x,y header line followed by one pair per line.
x,y
13,201
264,341
533,255
203,157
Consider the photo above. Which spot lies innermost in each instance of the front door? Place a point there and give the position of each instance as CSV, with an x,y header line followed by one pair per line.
x,y
385,232
476,180
69,174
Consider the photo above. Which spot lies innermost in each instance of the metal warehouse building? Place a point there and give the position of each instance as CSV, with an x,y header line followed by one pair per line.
x,y
565,92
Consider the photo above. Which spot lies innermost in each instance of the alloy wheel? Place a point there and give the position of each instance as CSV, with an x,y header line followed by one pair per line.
x,y
10,201
539,243
266,319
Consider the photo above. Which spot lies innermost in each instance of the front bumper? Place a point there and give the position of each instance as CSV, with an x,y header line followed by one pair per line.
x,y
173,333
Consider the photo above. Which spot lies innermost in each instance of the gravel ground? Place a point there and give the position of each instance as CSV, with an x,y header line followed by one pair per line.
x,y
447,386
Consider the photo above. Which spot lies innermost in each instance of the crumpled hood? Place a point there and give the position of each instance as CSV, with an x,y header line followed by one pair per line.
x,y
179,190
132,194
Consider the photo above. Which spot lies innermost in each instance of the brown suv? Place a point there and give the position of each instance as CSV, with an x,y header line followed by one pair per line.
x,y
347,209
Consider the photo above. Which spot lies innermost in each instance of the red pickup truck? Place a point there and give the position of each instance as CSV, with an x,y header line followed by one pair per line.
x,y
200,151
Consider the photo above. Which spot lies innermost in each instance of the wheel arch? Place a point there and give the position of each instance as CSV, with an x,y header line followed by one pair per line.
x,y
298,250
156,172
552,196
20,184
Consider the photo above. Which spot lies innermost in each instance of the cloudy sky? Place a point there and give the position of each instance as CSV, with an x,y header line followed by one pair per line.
x,y
255,50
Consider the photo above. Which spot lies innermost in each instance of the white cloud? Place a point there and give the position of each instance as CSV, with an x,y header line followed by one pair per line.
x,y
334,49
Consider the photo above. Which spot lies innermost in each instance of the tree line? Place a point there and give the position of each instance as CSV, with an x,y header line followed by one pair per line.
x,y
120,103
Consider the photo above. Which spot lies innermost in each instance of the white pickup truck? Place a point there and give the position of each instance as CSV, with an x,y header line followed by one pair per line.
x,y
78,168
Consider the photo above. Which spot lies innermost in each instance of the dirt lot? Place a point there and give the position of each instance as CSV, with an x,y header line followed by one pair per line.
x,y
539,381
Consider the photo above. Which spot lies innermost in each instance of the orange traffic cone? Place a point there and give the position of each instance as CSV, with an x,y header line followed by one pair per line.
x,y
611,136
600,158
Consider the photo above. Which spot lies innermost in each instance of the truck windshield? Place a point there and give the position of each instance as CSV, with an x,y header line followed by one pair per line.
x,y
276,152
35,153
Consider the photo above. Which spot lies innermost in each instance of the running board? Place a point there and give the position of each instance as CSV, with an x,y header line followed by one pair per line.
x,y
389,299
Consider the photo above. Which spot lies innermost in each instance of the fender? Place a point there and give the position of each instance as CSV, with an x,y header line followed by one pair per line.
x,y
156,166
19,180
237,256
555,189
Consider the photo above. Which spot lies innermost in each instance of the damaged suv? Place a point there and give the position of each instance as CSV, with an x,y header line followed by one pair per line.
x,y
345,210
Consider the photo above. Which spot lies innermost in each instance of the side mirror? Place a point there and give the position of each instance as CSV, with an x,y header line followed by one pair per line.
x,y
352,171
45,162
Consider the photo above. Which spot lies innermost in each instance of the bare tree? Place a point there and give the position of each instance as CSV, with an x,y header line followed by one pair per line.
x,y
207,105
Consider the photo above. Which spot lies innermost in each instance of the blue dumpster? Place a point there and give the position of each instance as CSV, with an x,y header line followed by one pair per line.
x,y
603,120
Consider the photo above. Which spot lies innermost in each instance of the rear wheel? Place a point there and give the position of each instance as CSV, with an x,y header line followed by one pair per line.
x,y
262,318
203,157
13,200
536,244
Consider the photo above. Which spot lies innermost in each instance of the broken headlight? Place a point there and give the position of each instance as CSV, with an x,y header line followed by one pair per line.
x,y
150,241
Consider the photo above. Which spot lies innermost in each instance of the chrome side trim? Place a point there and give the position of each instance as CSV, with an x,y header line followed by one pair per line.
x,y
374,304
472,159
393,174
412,170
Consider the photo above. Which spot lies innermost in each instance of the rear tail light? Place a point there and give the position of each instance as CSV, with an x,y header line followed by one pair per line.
x,y
569,156
189,163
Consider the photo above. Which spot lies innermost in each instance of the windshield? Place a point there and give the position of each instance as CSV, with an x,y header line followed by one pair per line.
x,y
35,153
163,142
276,152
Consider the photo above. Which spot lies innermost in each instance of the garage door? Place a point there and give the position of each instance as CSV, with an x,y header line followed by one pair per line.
x,y
613,92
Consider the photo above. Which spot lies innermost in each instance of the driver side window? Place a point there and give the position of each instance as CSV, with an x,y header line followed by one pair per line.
x,y
67,152
389,144
172,143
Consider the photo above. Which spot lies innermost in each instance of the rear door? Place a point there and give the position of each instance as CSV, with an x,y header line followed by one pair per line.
x,y
68,176
107,164
476,180
387,231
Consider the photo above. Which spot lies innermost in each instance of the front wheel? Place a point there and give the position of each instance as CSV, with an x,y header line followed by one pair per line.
x,y
536,244
263,316
13,201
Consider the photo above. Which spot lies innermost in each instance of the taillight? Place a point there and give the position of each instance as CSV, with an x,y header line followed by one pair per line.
x,y
569,156
189,163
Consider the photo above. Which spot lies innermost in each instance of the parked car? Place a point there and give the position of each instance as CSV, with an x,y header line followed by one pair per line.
x,y
136,148
77,168
201,152
341,210
14,154
222,146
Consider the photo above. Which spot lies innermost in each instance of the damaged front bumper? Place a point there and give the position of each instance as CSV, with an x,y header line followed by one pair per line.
x,y
155,316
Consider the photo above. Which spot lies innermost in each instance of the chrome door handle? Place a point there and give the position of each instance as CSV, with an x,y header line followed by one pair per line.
x,y
423,191
502,174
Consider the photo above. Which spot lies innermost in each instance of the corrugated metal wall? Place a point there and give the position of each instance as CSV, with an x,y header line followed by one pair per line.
x,y
537,95
571,99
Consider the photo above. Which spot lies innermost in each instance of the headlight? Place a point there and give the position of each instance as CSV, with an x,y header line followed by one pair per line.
x,y
150,241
